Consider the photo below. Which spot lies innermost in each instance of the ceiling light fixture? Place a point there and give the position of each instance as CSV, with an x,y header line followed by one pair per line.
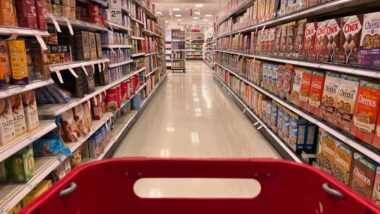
x,y
176,9
197,13
208,15
179,20
195,17
199,5
159,13
178,15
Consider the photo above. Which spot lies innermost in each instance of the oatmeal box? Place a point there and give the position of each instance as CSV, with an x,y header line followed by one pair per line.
x,y
363,176
330,96
350,39
370,40
366,111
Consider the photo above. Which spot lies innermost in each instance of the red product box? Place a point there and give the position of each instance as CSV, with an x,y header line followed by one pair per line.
x,y
41,14
123,90
26,14
112,99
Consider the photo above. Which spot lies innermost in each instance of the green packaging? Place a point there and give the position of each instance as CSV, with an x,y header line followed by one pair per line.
x,y
20,167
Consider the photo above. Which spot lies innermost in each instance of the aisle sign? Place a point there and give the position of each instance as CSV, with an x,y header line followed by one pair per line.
x,y
116,15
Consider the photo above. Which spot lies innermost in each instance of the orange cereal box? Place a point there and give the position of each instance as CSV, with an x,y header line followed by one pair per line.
x,y
329,96
376,137
366,110
305,88
316,91
348,91
296,88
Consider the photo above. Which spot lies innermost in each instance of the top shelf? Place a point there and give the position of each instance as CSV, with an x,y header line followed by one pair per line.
x,y
237,11
76,23
321,9
7,31
149,13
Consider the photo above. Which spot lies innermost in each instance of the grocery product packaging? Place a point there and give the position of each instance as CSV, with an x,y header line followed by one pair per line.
x,y
71,131
18,59
326,151
26,14
112,100
363,176
20,166
321,42
350,38
290,39
298,47
8,14
316,91
370,42
42,187
376,188
93,48
7,129
310,40
30,108
5,69
82,45
296,86
41,14
288,81
342,162
18,115
333,33
330,96
84,129
305,89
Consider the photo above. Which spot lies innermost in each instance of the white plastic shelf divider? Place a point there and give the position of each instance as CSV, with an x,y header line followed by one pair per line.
x,y
120,63
7,31
360,71
138,54
22,141
57,109
96,124
116,46
137,38
76,23
18,89
324,125
14,193
118,27
150,73
324,8
66,66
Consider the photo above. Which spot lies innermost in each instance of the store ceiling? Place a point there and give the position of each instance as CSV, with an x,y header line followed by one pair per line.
x,y
178,11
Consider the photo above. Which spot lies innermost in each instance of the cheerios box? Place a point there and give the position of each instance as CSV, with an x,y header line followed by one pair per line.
x,y
342,162
325,151
376,188
363,175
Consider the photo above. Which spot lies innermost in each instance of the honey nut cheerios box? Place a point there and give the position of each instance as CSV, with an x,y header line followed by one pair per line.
x,y
363,175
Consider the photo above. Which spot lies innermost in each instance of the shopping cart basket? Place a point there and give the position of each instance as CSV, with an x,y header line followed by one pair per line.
x,y
286,187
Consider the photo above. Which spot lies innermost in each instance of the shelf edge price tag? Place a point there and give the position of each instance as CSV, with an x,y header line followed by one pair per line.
x,y
69,25
40,40
84,69
55,23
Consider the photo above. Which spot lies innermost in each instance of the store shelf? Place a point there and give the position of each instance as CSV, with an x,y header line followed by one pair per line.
x,y
178,49
114,26
321,9
11,194
261,125
177,40
7,31
100,2
120,63
75,23
18,89
235,12
150,73
116,46
138,54
57,109
146,10
96,125
208,63
148,54
357,145
347,69
178,59
136,20
66,66
137,38
22,141
150,33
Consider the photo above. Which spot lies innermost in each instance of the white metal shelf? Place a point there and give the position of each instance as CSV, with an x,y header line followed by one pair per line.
x,y
234,12
18,89
347,69
154,53
137,38
357,145
136,20
11,194
118,27
262,124
66,66
20,142
7,31
57,109
138,54
150,73
321,9
146,10
150,33
116,46
103,3
120,63
76,23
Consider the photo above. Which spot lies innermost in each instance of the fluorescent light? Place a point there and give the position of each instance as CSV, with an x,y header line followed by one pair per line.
x,y
205,20
159,13
208,15
178,15
195,17
179,20
170,13
176,9
197,13
199,5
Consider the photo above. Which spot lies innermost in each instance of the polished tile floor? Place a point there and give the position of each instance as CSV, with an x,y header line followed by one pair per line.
x,y
191,117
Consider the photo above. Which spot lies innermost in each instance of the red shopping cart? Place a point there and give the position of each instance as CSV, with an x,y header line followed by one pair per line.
x,y
286,187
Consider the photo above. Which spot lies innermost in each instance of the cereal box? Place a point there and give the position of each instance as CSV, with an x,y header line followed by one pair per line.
x,y
26,14
283,40
330,96
296,87
18,59
5,70
376,188
285,126
309,41
299,39
20,166
273,116
92,42
30,108
366,110
321,41
342,162
350,39
8,13
297,132
277,41
376,137
316,90
333,32
41,14
283,7
7,130
370,40
305,88
280,115
326,151
290,38
18,115
288,80
363,176
348,91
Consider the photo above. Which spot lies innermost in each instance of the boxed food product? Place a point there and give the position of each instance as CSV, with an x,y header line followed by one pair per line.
x,y
290,39
283,40
296,86
18,115
288,80
112,100
87,114
305,88
93,48
363,176
7,129
96,144
17,53
82,45
298,47
26,14
283,7
277,41
316,91
97,111
350,39
84,129
99,46
297,132
330,96
285,126
71,131
30,108
342,162
8,15
76,159
326,151
366,111
348,91
321,41
273,116
42,187
280,116
20,166
370,40
280,81
5,69
309,41
376,188
333,33
41,14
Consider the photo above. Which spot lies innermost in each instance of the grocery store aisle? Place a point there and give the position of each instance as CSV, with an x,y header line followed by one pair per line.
x,y
191,117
